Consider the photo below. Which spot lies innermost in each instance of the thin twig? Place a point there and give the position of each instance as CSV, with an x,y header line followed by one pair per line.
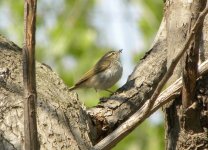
x,y
140,116
175,60
30,124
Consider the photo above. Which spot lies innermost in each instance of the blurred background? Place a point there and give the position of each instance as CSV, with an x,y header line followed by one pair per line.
x,y
71,35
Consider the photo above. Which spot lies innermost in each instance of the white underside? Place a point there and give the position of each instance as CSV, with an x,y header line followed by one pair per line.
x,y
107,78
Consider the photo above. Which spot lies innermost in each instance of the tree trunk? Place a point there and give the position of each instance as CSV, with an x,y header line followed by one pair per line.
x,y
62,120
186,128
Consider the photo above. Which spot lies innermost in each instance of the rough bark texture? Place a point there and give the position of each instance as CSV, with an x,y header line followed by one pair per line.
x,y
56,105
29,76
191,116
177,137
203,52
182,131
59,109
61,119
191,57
63,122
112,111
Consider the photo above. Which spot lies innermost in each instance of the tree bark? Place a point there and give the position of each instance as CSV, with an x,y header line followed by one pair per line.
x,y
29,76
56,103
61,119
54,110
113,111
184,130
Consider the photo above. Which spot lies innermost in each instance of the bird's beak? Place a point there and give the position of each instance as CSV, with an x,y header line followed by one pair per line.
x,y
120,51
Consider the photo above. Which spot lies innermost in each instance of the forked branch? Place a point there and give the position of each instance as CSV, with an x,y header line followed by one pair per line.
x,y
137,118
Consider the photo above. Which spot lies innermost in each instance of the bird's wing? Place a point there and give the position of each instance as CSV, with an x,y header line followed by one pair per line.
x,y
99,67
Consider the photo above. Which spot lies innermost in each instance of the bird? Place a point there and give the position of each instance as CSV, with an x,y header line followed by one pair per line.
x,y
104,74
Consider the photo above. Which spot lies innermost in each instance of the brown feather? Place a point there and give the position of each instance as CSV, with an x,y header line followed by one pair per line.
x,y
99,67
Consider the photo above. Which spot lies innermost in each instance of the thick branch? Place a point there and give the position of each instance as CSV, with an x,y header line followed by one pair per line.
x,y
139,116
166,96
181,17
57,107
139,87
175,60
190,59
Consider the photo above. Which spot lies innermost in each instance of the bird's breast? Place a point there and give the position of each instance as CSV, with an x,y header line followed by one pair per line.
x,y
107,78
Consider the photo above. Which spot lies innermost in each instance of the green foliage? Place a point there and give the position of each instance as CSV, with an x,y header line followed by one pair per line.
x,y
151,18
13,12
66,42
149,22
144,137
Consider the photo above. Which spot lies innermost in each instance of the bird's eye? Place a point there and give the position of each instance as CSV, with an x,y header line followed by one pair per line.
x,y
110,54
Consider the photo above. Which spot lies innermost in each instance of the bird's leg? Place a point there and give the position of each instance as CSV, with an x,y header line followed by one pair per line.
x,y
109,91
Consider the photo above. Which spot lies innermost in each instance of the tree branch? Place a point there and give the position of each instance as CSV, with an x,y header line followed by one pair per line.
x,y
175,60
124,129
137,118
113,111
191,57
57,107
29,79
